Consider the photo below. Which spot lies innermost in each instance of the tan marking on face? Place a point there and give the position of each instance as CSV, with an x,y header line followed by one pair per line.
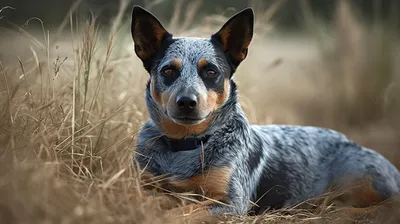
x,y
160,98
215,100
177,131
222,97
177,63
202,63
212,98
212,183
154,93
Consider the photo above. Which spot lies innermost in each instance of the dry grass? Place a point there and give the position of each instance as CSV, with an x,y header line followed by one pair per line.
x,y
71,106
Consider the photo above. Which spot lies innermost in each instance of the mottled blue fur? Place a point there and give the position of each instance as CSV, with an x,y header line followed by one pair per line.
x,y
297,162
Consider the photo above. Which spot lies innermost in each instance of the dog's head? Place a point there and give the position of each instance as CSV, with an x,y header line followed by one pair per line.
x,y
190,78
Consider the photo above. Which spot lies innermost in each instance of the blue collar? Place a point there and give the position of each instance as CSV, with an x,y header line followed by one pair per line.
x,y
177,145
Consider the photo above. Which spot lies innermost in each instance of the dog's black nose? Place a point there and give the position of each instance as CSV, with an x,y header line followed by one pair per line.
x,y
186,103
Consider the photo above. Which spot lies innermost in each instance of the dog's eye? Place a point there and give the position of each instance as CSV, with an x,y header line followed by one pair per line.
x,y
211,73
168,72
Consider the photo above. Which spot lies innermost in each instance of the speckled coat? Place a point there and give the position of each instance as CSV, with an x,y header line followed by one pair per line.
x,y
237,163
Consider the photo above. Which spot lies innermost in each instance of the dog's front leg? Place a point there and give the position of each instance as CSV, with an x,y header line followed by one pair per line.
x,y
224,193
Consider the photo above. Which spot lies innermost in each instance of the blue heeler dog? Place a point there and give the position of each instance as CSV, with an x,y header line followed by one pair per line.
x,y
199,135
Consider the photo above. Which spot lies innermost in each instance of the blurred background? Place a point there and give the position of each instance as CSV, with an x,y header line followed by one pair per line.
x,y
71,91
290,16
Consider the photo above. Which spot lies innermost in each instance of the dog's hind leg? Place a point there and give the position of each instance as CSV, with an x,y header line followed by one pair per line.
x,y
359,194
366,176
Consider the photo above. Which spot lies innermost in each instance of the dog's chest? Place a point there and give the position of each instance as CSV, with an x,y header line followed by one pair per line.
x,y
182,164
192,171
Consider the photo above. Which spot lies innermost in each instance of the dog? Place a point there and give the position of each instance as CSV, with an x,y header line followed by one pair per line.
x,y
199,136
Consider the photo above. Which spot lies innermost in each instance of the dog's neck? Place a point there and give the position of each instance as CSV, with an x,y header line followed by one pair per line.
x,y
177,145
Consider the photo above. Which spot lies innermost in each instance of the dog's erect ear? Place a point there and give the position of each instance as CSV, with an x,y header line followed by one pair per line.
x,y
147,33
236,34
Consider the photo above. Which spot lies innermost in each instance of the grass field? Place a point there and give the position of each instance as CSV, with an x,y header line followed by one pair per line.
x,y
72,101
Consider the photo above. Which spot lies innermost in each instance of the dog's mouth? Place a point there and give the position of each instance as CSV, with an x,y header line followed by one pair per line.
x,y
188,120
